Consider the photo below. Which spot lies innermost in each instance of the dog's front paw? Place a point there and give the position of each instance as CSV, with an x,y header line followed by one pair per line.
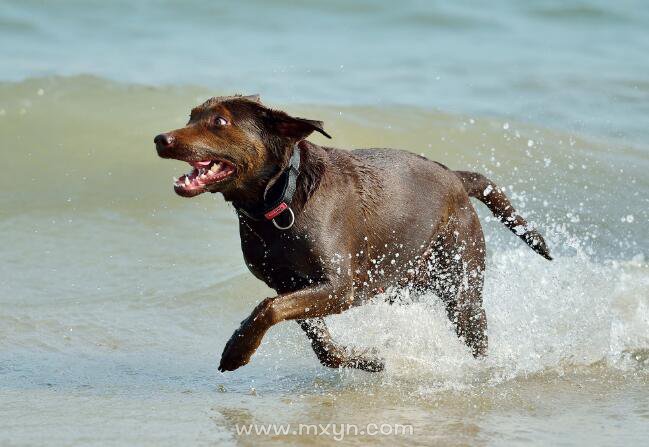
x,y
238,350
235,354
245,340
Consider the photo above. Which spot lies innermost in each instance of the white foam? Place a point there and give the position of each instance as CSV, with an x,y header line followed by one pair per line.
x,y
541,315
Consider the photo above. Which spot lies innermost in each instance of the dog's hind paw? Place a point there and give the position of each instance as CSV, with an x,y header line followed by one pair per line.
x,y
365,364
367,360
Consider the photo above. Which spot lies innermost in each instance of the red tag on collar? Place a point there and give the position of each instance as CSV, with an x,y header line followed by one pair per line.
x,y
276,211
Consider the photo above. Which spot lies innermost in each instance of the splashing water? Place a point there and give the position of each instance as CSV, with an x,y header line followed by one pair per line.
x,y
573,312
117,297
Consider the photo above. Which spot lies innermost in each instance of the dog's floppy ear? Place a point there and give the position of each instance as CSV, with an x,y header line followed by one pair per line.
x,y
301,127
293,127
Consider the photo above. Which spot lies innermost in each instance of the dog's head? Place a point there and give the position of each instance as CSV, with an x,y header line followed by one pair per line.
x,y
232,144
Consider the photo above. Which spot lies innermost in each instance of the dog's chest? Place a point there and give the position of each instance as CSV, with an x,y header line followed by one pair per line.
x,y
284,260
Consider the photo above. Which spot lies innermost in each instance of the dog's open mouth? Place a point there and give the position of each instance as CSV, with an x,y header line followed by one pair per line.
x,y
202,176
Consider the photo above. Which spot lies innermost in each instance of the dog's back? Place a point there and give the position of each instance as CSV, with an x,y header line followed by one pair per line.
x,y
389,203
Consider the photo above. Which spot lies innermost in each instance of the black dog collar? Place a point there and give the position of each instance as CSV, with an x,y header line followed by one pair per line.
x,y
282,190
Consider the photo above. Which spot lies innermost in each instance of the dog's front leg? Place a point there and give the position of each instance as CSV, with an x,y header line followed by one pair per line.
x,y
319,301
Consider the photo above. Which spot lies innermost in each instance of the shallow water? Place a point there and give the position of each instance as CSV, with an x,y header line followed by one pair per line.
x,y
117,297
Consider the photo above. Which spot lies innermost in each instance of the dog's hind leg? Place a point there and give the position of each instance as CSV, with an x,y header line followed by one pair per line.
x,y
458,276
332,355
464,309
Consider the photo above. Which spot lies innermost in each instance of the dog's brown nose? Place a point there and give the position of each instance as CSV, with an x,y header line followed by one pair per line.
x,y
163,141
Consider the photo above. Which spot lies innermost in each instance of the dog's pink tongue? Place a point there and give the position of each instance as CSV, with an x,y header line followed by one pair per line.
x,y
200,164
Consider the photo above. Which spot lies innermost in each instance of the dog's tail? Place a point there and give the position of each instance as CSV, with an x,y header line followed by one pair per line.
x,y
486,191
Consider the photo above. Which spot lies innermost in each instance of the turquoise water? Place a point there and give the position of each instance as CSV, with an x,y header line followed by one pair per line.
x,y
574,64
117,296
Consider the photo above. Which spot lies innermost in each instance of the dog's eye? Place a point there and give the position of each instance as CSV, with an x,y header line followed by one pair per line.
x,y
220,121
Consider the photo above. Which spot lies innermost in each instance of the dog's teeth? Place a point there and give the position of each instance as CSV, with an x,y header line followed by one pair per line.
x,y
216,167
187,181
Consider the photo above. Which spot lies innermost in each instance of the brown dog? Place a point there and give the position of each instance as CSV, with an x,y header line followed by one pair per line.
x,y
329,228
